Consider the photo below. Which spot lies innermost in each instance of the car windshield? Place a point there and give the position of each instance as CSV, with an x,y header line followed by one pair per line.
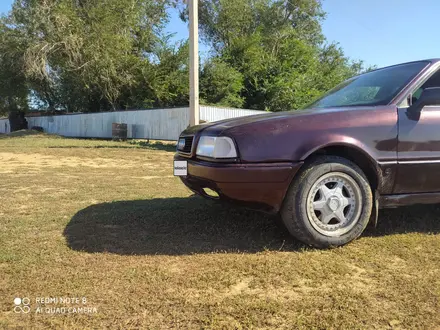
x,y
374,88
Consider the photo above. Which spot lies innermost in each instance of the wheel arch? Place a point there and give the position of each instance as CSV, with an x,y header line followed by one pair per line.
x,y
353,153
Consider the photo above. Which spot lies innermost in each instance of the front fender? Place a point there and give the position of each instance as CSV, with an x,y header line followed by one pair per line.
x,y
313,146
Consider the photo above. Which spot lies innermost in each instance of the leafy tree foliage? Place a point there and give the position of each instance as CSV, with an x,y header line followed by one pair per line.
x,y
222,84
277,49
96,55
13,88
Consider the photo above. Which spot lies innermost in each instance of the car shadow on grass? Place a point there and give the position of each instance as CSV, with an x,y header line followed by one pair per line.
x,y
174,226
181,226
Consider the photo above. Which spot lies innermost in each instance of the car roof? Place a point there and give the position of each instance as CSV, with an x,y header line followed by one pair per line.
x,y
431,60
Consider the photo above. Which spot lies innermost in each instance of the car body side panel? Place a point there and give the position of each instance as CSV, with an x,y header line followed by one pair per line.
x,y
373,131
419,151
294,138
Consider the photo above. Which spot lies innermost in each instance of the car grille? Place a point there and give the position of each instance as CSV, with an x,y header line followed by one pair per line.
x,y
188,144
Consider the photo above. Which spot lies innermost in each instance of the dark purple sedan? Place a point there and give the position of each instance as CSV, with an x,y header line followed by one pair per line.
x,y
371,142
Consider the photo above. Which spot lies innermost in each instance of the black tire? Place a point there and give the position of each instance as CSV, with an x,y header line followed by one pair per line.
x,y
295,214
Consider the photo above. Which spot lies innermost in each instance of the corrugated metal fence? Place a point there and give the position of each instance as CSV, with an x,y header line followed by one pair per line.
x,y
161,124
4,126
210,114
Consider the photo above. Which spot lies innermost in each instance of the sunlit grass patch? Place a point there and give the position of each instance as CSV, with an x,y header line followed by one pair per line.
x,y
87,218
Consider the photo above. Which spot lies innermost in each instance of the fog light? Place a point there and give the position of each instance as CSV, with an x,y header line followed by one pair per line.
x,y
211,193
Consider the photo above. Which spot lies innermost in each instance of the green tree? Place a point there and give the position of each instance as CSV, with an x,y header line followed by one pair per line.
x,y
94,55
13,86
221,84
278,49
97,55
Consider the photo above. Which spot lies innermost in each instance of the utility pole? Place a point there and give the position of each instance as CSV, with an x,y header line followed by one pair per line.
x,y
194,108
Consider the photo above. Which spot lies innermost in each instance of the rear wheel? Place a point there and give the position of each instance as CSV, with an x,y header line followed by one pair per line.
x,y
329,203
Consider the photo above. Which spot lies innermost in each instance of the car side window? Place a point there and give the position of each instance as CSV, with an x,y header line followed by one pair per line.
x,y
417,93
434,81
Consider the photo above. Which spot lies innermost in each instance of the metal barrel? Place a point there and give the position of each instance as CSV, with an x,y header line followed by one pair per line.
x,y
119,131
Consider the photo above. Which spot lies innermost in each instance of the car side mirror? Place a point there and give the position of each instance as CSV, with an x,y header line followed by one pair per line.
x,y
429,96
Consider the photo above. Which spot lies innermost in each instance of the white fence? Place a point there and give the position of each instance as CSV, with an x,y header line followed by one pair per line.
x,y
210,114
4,126
160,124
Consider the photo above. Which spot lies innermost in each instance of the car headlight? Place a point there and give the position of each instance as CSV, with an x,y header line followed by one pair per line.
x,y
181,144
216,147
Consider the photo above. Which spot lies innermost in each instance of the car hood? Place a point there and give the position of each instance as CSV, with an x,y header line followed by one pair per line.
x,y
292,135
218,127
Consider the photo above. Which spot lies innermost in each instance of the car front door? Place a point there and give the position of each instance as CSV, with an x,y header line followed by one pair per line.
x,y
418,169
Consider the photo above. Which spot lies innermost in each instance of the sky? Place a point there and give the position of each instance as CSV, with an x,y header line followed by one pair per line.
x,y
379,32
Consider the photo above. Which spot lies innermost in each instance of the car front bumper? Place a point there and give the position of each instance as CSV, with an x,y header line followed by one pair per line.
x,y
256,186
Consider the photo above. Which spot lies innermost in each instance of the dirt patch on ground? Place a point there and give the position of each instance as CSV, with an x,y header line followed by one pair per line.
x,y
12,161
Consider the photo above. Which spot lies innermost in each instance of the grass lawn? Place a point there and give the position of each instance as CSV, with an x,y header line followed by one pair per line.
x,y
108,221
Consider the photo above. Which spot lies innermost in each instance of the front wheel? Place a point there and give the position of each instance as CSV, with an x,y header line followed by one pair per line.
x,y
329,203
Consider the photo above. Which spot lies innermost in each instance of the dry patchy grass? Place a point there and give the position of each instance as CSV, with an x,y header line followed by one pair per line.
x,y
108,221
